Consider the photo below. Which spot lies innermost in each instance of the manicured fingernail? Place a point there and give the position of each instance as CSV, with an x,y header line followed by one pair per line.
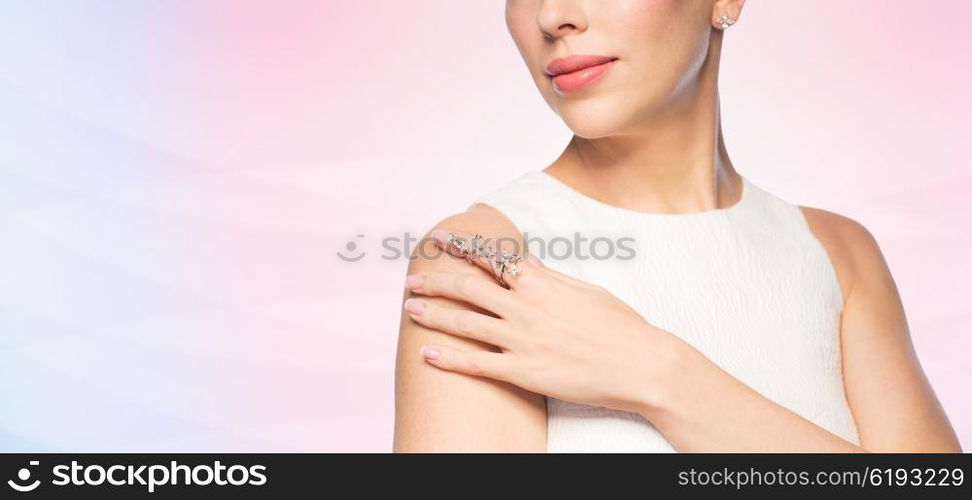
x,y
440,236
415,306
535,260
430,353
414,281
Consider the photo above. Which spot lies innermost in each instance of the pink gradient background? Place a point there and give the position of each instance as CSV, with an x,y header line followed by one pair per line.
x,y
178,177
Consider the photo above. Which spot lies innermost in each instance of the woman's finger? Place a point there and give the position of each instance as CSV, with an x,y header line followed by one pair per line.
x,y
459,322
481,248
476,290
538,269
488,364
570,280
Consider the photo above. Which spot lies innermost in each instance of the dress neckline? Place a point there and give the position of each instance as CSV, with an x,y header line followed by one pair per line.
x,y
744,198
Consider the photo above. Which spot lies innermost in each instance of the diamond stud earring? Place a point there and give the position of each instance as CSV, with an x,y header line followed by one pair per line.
x,y
726,21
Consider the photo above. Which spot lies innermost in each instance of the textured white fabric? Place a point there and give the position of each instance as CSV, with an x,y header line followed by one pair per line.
x,y
750,286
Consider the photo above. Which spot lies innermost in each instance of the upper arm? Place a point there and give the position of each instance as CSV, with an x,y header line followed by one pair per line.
x,y
436,410
893,404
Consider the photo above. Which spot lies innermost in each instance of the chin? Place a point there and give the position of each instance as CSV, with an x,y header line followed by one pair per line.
x,y
593,119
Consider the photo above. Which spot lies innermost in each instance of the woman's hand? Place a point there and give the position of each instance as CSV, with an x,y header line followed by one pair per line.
x,y
573,341
558,336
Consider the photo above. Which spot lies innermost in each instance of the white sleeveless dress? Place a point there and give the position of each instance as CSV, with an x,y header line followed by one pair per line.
x,y
749,286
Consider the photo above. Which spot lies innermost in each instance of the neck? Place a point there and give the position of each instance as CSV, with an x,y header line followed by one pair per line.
x,y
676,162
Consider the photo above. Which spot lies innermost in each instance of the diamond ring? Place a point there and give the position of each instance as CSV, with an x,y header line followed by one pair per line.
x,y
500,263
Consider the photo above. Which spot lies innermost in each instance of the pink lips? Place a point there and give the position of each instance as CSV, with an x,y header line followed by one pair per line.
x,y
577,72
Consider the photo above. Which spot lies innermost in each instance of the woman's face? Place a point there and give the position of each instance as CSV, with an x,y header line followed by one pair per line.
x,y
652,52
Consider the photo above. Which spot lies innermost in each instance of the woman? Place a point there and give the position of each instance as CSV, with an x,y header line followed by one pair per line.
x,y
722,319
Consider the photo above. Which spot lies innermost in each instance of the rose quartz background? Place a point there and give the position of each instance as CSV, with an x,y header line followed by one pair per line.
x,y
178,177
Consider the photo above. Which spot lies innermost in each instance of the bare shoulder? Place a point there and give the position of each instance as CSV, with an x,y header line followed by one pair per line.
x,y
481,219
876,347
852,248
437,410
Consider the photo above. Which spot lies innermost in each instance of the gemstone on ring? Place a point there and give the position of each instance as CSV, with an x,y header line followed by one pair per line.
x,y
500,263
456,242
